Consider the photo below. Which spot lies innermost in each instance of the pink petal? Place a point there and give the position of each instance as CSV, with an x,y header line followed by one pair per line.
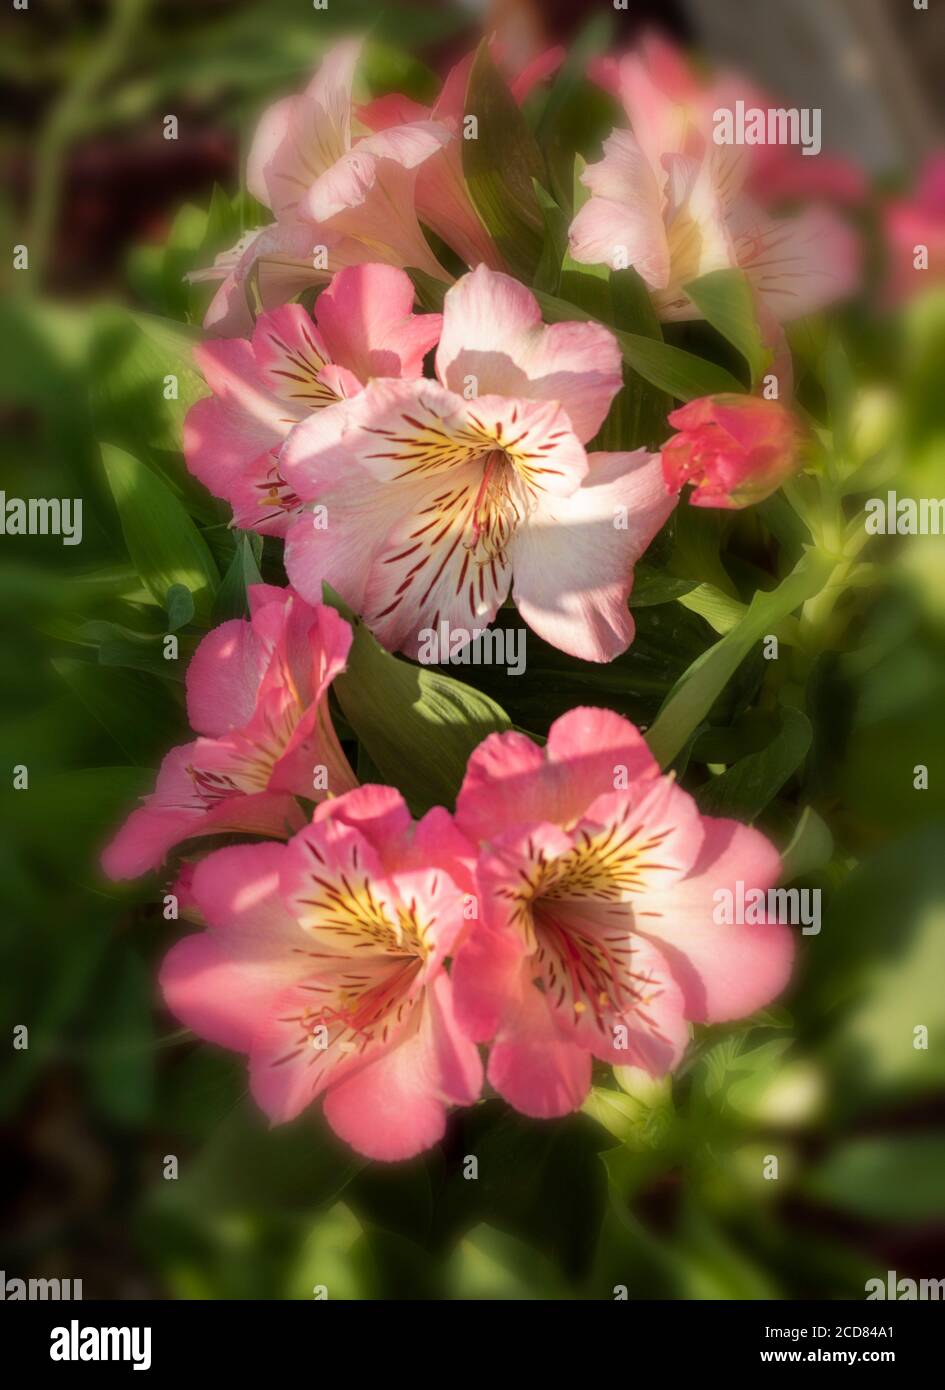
x,y
381,816
237,892
283,255
622,222
510,780
175,812
493,336
534,1066
234,458
211,994
341,553
222,984
573,563
441,199
223,678
290,357
797,264
366,318
487,978
724,971
396,1107
368,195
300,137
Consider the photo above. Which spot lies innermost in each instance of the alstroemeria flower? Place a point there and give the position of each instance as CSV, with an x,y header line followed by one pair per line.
x,y
670,202
672,106
364,326
441,496
735,450
911,224
332,191
282,259
597,898
442,200
256,693
323,960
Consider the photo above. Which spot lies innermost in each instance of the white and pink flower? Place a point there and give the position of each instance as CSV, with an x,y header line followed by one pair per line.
x,y
363,327
339,197
442,496
597,881
256,695
669,201
323,961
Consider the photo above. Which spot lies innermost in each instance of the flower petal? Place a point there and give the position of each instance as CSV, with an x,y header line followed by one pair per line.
x,y
367,321
396,1107
573,558
493,337
510,780
725,971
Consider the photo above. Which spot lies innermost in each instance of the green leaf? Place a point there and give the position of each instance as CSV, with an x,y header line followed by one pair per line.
x,y
499,166
744,790
430,291
652,587
696,691
810,847
144,378
243,572
90,801
725,299
554,250
491,1264
139,651
164,544
136,712
180,607
418,726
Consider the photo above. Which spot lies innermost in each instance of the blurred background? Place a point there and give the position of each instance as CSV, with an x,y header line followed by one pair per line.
x,y
660,1190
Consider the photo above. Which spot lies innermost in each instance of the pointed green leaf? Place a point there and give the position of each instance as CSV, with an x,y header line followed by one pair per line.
x,y
499,164
696,691
418,726
164,544
725,299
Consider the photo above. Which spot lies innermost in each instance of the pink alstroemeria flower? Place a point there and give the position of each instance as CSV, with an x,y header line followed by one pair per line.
x,y
364,327
323,960
256,693
597,935
442,200
913,223
670,104
670,202
338,198
736,450
441,496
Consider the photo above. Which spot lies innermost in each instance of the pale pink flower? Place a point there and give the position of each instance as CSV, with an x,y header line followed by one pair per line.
x,y
323,961
598,935
671,107
257,696
283,259
913,225
441,496
669,201
442,200
364,326
339,197
735,450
